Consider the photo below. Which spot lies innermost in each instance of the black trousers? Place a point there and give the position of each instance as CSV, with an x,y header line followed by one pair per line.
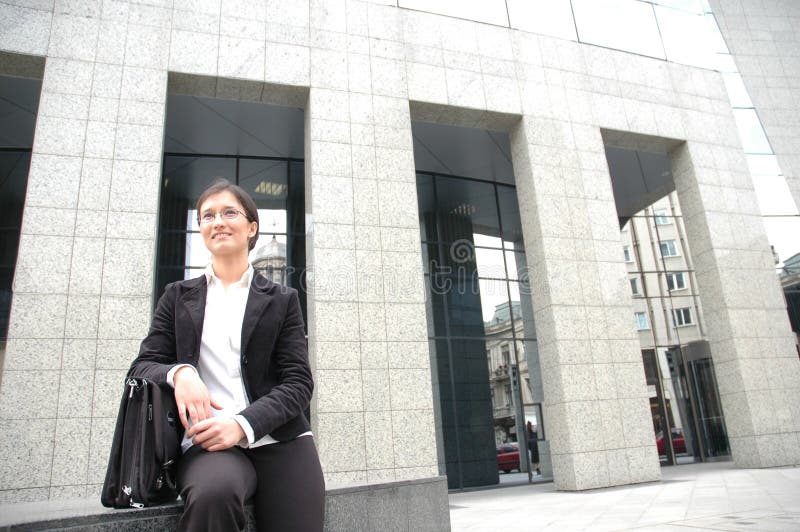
x,y
284,481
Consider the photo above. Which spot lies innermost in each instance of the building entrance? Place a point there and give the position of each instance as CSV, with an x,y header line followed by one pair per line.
x,y
687,416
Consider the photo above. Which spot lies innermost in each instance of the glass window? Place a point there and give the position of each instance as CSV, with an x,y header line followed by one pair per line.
x,y
682,317
427,207
276,186
488,11
14,166
619,24
19,103
480,316
641,321
668,248
465,210
676,281
691,6
509,218
662,217
685,36
626,252
763,165
634,286
750,131
774,197
782,232
737,93
545,17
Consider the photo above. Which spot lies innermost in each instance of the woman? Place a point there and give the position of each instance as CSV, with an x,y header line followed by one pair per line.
x,y
231,344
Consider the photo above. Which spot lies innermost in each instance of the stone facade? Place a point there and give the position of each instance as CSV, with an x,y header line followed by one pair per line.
x,y
764,39
363,71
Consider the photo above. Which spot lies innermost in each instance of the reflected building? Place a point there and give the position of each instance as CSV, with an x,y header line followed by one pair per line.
x,y
270,261
510,382
684,398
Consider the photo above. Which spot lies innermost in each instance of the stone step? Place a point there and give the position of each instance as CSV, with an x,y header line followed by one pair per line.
x,y
413,505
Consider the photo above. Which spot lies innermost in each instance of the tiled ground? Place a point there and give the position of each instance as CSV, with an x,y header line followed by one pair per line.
x,y
698,496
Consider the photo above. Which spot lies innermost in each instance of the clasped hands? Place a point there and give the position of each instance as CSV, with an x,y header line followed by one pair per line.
x,y
194,408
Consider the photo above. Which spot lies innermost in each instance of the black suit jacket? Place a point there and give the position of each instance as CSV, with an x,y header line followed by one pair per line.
x,y
274,354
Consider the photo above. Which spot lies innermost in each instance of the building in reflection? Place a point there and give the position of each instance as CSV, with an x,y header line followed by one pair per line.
x,y
270,260
681,384
510,383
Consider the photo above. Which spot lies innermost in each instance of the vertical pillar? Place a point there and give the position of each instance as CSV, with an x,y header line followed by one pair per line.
x,y
373,407
755,359
595,400
83,281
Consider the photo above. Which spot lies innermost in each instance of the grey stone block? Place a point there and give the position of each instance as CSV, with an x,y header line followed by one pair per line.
x,y
37,316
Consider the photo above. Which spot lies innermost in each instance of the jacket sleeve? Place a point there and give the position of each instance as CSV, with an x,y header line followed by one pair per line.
x,y
157,353
292,395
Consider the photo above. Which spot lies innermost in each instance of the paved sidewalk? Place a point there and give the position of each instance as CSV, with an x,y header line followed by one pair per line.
x,y
714,496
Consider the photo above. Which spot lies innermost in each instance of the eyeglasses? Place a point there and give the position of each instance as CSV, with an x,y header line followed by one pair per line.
x,y
226,214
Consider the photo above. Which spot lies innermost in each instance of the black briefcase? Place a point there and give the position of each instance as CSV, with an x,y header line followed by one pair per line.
x,y
146,448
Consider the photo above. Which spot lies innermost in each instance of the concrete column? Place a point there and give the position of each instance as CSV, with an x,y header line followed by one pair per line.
x,y
373,408
83,282
755,359
596,413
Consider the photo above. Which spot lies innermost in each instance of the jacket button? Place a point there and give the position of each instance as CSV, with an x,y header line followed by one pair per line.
x,y
244,360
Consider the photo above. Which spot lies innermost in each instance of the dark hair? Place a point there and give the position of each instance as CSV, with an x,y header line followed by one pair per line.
x,y
221,184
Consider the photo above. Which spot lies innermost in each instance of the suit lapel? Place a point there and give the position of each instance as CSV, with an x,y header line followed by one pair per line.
x,y
257,301
194,300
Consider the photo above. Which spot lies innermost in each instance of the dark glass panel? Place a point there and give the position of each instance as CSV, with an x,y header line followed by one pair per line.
x,y
466,208
435,303
184,180
426,200
474,418
509,218
490,263
296,198
266,182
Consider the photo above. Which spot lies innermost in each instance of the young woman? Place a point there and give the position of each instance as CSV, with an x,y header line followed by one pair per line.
x,y
231,344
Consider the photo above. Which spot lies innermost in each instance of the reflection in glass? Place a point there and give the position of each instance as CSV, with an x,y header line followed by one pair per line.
x,y
750,131
277,187
14,169
488,11
509,218
620,24
774,196
545,17
737,93
685,37
783,233
466,208
763,165
480,323
490,263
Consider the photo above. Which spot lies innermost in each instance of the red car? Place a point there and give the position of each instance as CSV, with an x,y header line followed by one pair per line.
x,y
678,442
508,457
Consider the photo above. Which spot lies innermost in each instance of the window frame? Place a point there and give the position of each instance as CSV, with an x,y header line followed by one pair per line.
x,y
634,282
662,217
639,322
661,243
683,312
627,255
674,276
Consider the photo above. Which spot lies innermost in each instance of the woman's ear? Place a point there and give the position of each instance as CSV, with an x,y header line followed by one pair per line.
x,y
253,229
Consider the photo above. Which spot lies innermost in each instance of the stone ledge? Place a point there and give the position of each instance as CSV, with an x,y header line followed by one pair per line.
x,y
405,505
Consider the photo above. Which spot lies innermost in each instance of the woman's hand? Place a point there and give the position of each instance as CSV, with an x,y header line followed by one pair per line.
x,y
216,433
192,397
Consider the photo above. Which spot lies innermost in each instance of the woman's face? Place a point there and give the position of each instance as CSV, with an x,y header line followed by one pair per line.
x,y
224,236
